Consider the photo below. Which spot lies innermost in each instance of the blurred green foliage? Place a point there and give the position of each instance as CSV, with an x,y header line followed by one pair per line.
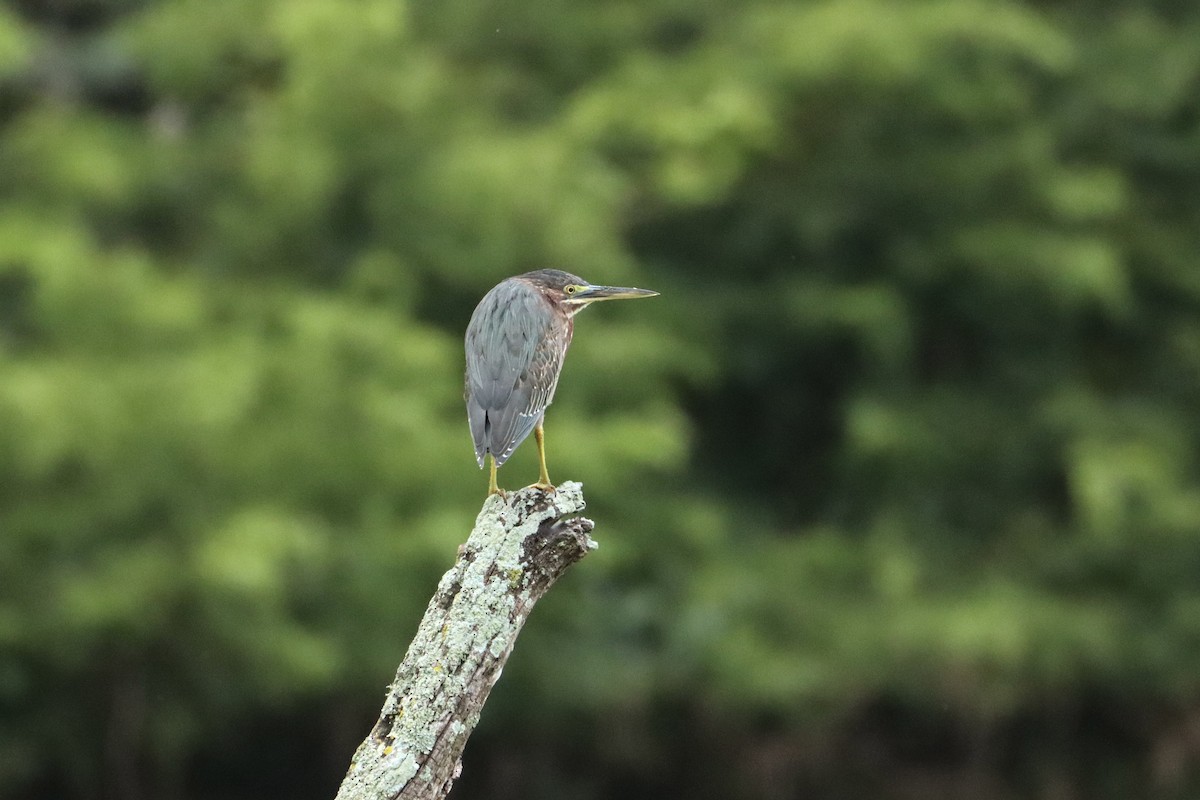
x,y
896,484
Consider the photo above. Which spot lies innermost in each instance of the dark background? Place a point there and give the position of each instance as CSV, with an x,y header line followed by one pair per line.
x,y
896,484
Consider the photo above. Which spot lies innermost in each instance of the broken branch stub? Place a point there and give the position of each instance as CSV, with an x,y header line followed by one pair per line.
x,y
519,547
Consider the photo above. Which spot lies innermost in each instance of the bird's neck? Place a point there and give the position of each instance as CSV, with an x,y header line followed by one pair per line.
x,y
574,308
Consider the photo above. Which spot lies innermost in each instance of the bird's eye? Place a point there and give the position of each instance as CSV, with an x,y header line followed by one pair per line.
x,y
570,290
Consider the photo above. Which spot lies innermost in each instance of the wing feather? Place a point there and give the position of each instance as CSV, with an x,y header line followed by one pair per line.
x,y
515,348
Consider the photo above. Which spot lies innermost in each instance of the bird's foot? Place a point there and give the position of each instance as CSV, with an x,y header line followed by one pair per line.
x,y
545,486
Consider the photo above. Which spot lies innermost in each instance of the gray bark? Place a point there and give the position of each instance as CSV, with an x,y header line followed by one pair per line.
x,y
518,549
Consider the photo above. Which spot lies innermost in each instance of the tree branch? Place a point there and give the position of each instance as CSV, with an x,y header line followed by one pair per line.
x,y
518,549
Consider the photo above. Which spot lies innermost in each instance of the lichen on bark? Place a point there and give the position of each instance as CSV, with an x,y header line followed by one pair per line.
x,y
519,547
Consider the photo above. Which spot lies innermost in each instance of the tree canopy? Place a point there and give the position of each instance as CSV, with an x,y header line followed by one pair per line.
x,y
896,485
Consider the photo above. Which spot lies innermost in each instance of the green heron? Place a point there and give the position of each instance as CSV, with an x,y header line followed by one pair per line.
x,y
516,342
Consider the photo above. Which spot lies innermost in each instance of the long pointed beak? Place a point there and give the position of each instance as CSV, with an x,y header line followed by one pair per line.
x,y
593,293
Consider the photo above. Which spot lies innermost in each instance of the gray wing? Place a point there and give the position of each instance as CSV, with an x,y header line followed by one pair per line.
x,y
515,348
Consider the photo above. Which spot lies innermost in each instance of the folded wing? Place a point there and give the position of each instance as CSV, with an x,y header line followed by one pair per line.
x,y
515,346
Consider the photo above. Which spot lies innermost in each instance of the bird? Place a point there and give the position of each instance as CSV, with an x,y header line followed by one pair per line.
x,y
515,344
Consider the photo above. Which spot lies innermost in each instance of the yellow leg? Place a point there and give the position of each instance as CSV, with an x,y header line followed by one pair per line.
x,y
493,487
543,476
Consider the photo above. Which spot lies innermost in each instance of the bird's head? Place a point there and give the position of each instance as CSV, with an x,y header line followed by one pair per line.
x,y
572,293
